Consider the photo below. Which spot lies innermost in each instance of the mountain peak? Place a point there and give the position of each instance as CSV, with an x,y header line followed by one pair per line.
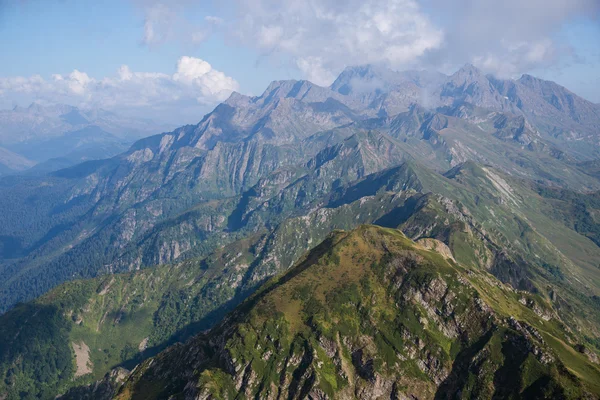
x,y
274,85
236,99
468,167
532,81
365,78
287,88
469,70
359,70
300,90
470,67
527,77
535,82
51,108
35,107
416,108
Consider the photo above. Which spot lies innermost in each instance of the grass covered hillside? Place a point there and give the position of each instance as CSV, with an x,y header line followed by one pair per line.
x,y
371,314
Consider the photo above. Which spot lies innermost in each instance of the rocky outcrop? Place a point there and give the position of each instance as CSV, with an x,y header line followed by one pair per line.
x,y
104,389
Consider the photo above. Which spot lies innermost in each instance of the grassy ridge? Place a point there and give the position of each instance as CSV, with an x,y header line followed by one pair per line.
x,y
369,312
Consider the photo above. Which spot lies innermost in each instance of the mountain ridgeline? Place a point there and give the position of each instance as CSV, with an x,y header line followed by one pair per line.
x,y
396,235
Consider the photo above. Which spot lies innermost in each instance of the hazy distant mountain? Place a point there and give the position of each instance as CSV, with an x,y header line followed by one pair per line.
x,y
561,117
71,135
89,143
11,162
37,122
387,92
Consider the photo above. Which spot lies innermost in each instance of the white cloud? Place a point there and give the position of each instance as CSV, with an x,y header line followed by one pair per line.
x,y
199,74
189,69
19,84
124,73
194,86
167,21
212,19
517,57
312,67
77,82
507,37
159,23
322,37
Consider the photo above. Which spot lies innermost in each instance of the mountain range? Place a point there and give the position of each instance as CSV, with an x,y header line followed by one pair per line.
x,y
244,238
58,136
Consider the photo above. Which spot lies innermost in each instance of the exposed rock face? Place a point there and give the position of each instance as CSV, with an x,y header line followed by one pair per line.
x,y
438,246
104,389
365,315
82,359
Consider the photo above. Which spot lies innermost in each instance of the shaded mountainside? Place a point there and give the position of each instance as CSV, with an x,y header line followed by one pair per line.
x,y
169,211
370,314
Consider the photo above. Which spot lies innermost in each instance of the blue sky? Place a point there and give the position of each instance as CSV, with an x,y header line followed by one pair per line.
x,y
248,43
50,37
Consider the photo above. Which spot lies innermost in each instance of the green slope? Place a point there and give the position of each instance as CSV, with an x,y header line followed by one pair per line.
x,y
371,314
